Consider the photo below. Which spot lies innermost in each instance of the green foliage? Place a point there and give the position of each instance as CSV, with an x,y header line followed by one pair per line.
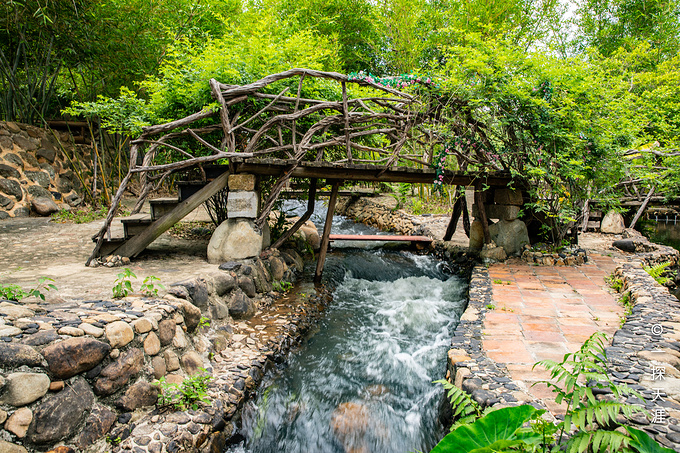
x,y
190,394
588,424
281,286
204,322
496,431
657,271
17,293
80,215
643,443
465,409
149,288
615,283
573,381
123,285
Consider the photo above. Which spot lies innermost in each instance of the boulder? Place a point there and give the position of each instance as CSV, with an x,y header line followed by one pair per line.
x,y
15,311
350,423
241,306
248,286
19,421
191,362
6,203
24,388
277,267
16,355
197,288
98,423
12,188
9,172
60,416
119,333
237,239
492,252
38,192
117,374
39,177
141,394
192,315
171,360
74,355
7,447
223,282
166,331
612,223
152,345
512,236
219,310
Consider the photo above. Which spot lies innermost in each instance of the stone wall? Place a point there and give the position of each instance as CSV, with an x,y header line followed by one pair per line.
x,y
81,374
35,176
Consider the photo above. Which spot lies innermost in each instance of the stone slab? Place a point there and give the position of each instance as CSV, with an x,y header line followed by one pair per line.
x,y
242,205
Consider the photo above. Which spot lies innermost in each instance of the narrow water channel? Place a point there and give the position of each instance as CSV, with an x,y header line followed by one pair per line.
x,y
362,382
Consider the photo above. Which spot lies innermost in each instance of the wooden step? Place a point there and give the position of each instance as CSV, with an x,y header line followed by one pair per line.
x,y
135,224
188,188
161,206
109,245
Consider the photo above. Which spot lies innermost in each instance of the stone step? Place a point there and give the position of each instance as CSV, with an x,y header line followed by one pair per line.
x,y
135,224
161,206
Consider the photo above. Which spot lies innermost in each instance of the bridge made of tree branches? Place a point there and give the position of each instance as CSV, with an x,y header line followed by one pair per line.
x,y
262,128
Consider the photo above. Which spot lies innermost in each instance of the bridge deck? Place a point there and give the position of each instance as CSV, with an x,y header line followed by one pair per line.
x,y
361,172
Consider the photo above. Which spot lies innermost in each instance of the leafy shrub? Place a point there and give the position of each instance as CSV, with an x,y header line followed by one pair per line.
x,y
17,293
188,395
588,426
123,285
657,272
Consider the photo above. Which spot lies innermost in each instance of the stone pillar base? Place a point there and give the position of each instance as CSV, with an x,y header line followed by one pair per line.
x,y
237,239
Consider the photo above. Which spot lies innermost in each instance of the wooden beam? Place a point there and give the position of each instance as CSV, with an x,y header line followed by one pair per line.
x,y
479,201
325,239
368,173
642,207
301,221
138,243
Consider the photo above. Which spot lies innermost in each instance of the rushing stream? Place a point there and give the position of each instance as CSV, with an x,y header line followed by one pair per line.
x,y
362,382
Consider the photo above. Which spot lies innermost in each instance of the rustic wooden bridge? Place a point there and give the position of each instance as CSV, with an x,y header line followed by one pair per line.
x,y
371,139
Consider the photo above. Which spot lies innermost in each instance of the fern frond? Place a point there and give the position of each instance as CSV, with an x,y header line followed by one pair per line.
x,y
464,409
600,440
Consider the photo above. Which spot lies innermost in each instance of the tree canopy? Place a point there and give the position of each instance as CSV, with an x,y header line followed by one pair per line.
x,y
572,98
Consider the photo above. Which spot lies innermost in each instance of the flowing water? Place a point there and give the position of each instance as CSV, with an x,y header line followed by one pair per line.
x,y
362,382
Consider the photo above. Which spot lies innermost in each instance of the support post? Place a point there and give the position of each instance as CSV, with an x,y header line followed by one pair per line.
x,y
326,232
457,211
479,201
642,207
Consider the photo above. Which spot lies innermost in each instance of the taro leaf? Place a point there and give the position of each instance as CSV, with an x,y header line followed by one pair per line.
x,y
643,443
496,426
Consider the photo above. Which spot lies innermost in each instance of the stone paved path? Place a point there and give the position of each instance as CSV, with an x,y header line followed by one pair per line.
x,y
34,247
544,312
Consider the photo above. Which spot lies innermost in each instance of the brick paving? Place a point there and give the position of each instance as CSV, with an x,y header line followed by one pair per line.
x,y
544,312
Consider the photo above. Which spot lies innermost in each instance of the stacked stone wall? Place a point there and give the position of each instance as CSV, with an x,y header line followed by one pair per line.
x,y
81,374
35,175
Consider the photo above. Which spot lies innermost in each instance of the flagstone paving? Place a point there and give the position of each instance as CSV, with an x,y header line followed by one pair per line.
x,y
544,312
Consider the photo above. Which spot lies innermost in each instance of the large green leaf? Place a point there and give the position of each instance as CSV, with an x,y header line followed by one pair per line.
x,y
496,426
643,443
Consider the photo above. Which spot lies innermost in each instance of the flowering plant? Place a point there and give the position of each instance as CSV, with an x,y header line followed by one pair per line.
x,y
397,82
